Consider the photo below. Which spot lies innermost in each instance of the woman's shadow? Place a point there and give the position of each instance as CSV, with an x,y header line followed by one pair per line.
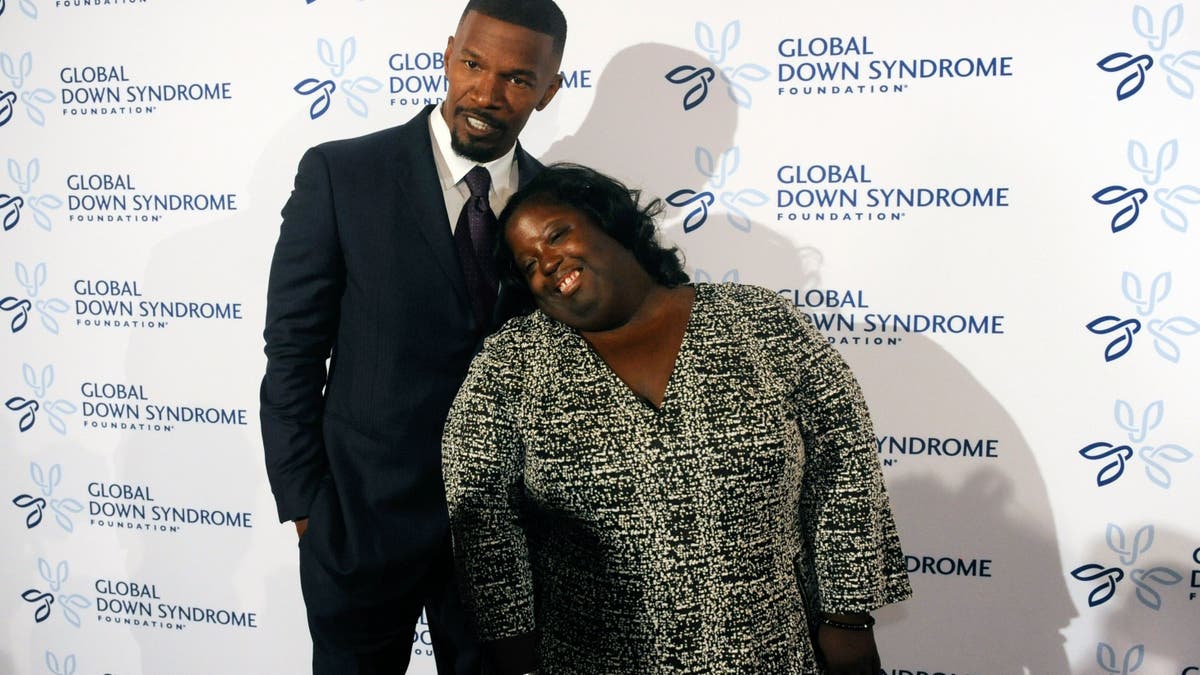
x,y
992,514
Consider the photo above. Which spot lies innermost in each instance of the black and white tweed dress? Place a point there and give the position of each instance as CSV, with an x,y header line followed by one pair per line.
x,y
699,537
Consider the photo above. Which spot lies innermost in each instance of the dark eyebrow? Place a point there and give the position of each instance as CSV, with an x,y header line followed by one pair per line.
x,y
526,73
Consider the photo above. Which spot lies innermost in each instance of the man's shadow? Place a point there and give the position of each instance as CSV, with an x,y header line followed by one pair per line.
x,y
993,509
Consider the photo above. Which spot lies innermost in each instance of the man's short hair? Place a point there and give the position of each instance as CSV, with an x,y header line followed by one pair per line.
x,y
542,16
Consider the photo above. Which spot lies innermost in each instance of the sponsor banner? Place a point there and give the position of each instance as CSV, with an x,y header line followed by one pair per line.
x,y
847,317
59,592
57,500
117,89
893,449
950,566
94,406
864,65
854,193
127,197
37,305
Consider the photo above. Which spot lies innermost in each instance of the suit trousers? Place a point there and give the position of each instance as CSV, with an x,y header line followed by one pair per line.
x,y
377,634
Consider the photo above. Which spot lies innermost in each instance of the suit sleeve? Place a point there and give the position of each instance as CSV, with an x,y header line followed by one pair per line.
x,y
483,461
852,544
303,299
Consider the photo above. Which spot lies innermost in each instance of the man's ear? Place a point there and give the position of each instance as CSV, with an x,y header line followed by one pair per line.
x,y
446,54
550,92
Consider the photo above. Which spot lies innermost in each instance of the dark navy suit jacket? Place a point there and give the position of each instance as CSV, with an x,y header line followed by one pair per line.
x,y
366,274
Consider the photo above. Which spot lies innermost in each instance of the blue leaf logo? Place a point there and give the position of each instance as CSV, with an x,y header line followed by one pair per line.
x,y
67,667
751,72
1160,288
1143,580
1164,344
1173,203
1113,470
731,159
1154,459
1152,416
1139,159
700,201
1143,539
10,211
21,307
337,64
1116,194
704,276
731,35
1177,67
26,408
1123,342
699,91
1110,577
324,89
7,99
43,600
356,102
733,201
1143,24
1106,657
35,505
1118,61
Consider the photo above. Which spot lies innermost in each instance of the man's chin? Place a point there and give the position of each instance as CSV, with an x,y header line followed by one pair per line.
x,y
476,151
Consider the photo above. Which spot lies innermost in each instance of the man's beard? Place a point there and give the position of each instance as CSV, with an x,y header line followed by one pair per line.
x,y
476,152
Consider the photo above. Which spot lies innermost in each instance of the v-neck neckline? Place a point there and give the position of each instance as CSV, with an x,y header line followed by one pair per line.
x,y
684,343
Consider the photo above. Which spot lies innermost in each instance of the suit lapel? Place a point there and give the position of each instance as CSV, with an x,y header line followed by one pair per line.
x,y
421,194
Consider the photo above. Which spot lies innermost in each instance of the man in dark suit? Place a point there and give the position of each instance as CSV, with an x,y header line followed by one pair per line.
x,y
383,267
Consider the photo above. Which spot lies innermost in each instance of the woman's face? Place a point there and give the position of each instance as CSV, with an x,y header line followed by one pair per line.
x,y
576,272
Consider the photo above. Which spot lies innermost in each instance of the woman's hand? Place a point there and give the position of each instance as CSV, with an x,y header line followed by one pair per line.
x,y
848,652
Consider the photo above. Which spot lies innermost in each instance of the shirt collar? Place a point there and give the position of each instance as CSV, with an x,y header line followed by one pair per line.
x,y
456,166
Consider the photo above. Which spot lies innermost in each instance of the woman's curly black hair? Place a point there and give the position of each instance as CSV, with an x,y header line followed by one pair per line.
x,y
610,204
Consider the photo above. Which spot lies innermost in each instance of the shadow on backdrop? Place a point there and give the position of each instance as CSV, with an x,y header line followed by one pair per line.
x,y
637,129
973,509
1142,615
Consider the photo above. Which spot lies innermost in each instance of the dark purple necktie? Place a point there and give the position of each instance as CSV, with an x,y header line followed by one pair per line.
x,y
473,236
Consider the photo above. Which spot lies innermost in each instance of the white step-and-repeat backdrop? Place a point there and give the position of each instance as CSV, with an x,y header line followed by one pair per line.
x,y
991,208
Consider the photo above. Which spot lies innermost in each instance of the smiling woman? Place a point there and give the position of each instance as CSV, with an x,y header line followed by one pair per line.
x,y
651,476
579,261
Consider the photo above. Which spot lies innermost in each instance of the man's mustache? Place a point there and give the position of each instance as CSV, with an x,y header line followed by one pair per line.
x,y
483,115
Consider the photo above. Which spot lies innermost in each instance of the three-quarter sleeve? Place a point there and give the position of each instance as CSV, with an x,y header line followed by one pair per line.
x,y
482,466
851,542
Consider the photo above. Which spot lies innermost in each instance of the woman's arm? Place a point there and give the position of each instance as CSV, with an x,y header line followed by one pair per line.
x,y
482,466
853,548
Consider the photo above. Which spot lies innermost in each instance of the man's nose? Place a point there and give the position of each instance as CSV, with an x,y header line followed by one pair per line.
x,y
487,91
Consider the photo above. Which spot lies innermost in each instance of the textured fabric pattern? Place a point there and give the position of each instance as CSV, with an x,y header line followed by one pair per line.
x,y
696,538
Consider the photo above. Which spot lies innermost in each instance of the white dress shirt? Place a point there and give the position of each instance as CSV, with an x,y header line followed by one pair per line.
x,y
452,167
